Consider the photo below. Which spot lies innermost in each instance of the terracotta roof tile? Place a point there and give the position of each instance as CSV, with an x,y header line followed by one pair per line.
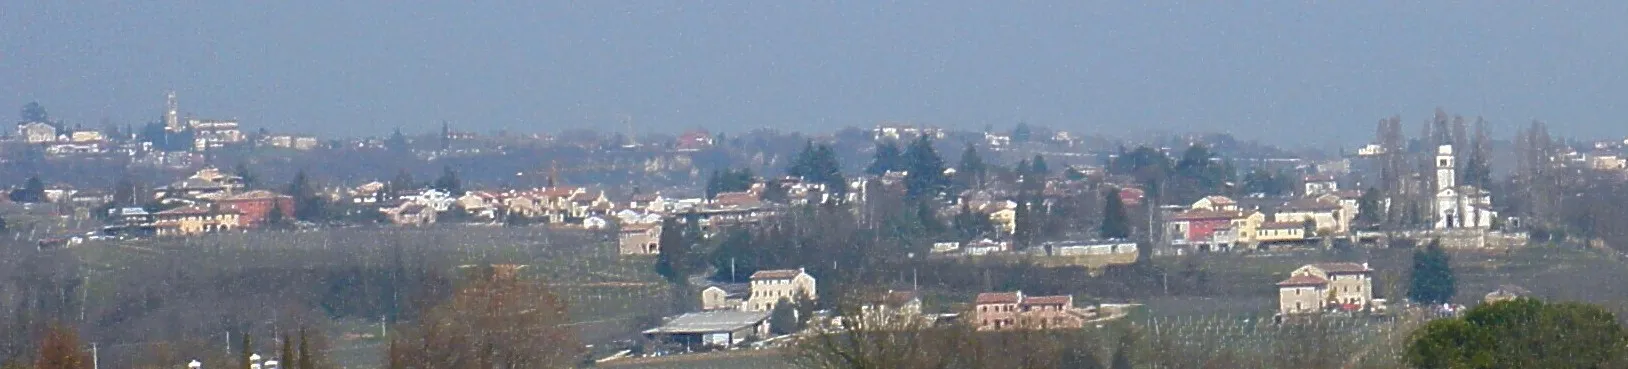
x,y
1048,300
998,298
776,274
1206,215
1282,225
1303,280
1342,267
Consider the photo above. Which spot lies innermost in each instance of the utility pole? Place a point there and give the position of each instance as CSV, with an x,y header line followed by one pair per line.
x,y
95,358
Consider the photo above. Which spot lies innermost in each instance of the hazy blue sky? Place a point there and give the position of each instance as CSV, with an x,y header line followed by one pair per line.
x,y
1284,72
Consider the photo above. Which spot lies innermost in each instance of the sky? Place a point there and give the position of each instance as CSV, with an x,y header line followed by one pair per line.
x,y
1287,72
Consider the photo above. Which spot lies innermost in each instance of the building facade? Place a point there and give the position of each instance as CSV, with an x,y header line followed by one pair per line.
x,y
769,286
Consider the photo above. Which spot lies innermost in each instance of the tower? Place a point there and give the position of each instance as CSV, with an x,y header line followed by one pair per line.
x,y
172,113
1444,168
446,136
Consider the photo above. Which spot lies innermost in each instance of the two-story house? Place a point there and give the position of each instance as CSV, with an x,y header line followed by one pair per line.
x,y
1328,215
1319,287
993,311
639,239
892,309
255,207
1319,184
769,286
37,132
191,220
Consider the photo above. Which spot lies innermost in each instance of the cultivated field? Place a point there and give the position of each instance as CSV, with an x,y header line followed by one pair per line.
x,y
608,297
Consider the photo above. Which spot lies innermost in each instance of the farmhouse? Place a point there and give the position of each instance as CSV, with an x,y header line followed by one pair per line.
x,y
1315,288
769,286
995,311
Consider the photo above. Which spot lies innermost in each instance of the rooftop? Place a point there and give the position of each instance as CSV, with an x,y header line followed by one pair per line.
x,y
998,298
1342,267
711,321
1283,225
1048,300
1303,280
776,274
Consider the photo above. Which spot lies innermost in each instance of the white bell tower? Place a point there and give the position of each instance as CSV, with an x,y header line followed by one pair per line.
x,y
1444,168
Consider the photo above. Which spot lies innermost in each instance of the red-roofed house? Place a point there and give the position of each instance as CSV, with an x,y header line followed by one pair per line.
x,y
255,207
694,141
1132,197
1315,288
1012,310
1199,227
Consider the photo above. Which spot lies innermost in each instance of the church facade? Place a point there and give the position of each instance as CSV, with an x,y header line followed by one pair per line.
x,y
1458,206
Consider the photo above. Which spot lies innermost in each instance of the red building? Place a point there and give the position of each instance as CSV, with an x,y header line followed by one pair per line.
x,y
1200,225
256,206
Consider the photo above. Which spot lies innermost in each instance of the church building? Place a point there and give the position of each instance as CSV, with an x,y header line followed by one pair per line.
x,y
1458,206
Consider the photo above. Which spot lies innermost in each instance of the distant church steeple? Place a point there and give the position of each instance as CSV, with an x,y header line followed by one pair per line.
x,y
172,113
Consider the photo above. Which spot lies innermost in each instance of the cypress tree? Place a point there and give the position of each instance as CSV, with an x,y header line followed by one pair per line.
x,y
1115,220
1432,281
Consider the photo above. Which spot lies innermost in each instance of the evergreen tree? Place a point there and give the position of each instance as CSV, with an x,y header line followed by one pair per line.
x,y
970,172
1038,167
1432,281
124,192
449,182
1370,209
925,177
34,112
307,359
33,191
802,165
244,352
970,224
308,203
805,307
286,357
676,260
1022,133
929,219
1023,224
403,182
887,158
248,177
397,142
827,170
783,318
1116,222
819,164
274,217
